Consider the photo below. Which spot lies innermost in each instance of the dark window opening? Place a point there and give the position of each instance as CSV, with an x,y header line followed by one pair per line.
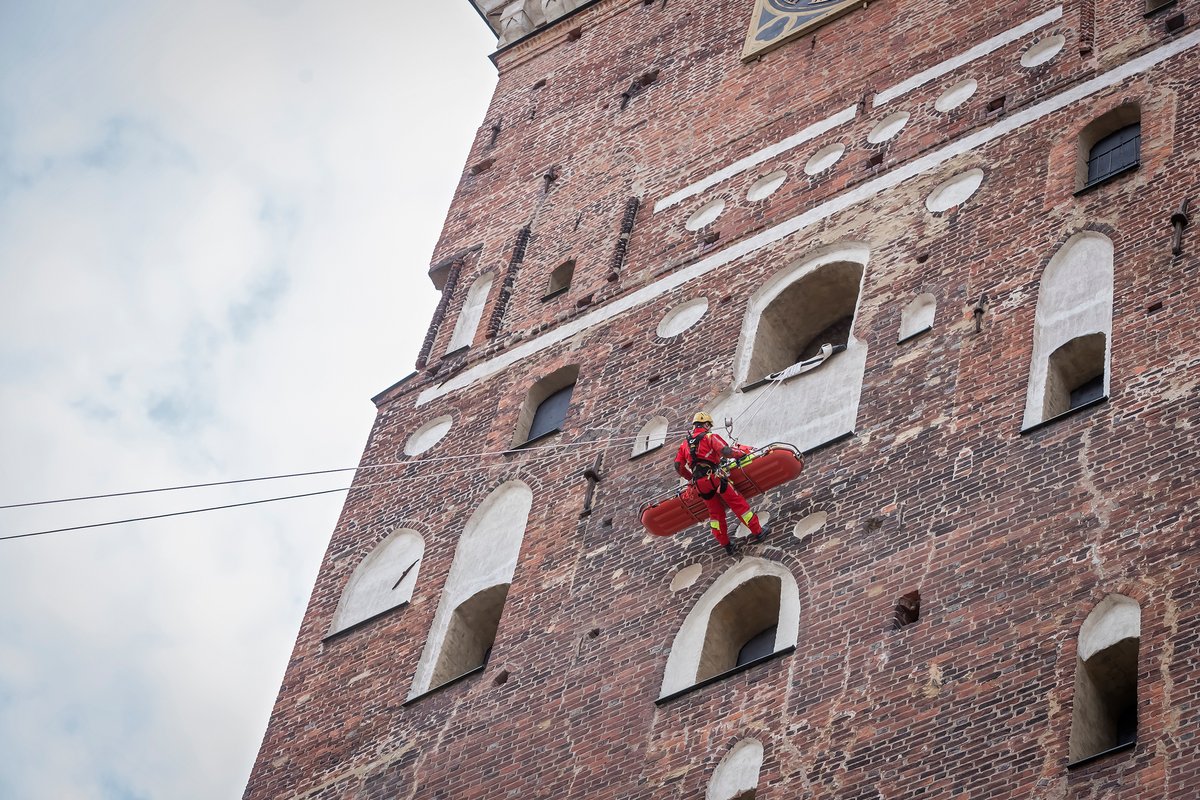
x,y
1087,392
1114,153
1127,725
836,334
1105,701
1108,146
470,634
1074,375
739,623
560,279
814,310
551,413
546,406
908,610
762,644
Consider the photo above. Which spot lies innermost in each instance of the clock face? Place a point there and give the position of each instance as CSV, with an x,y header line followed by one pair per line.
x,y
776,21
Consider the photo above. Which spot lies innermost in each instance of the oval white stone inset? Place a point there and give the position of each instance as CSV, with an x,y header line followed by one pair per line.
x,y
824,158
1043,51
705,214
682,317
809,525
765,186
742,531
956,95
685,577
954,191
427,435
888,127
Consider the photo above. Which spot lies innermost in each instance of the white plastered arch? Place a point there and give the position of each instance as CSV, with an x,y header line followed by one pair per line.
x,y
918,315
738,771
817,406
472,312
684,659
1114,619
1074,300
486,556
384,579
1104,703
653,434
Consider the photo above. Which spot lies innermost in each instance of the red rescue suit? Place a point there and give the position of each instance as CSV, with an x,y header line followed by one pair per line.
x,y
699,460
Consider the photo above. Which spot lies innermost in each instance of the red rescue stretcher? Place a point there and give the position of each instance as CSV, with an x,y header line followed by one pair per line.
x,y
773,465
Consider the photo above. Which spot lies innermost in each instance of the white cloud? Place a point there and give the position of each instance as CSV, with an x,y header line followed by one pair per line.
x,y
215,221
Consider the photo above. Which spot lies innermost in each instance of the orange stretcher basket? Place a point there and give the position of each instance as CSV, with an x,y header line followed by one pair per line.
x,y
773,465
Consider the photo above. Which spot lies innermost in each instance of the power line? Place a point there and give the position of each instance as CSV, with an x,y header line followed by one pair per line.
x,y
288,475
538,454
174,488
169,514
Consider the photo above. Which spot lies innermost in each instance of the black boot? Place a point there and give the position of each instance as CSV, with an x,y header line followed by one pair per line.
x,y
731,549
762,534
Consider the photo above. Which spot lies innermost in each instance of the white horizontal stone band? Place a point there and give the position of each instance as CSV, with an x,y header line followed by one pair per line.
x,y
978,51
862,192
741,165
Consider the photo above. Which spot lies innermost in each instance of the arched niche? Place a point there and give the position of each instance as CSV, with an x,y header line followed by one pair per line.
x,y
383,580
546,405
736,777
917,316
1074,301
652,436
1104,705
472,312
749,598
815,298
484,562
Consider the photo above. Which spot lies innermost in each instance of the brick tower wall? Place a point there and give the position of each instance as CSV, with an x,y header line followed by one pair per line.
x,y
1010,536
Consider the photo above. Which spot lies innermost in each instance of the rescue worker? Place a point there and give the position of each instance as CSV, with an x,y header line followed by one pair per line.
x,y
699,461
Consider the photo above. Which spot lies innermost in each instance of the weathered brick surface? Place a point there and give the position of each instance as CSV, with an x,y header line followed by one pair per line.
x,y
1011,539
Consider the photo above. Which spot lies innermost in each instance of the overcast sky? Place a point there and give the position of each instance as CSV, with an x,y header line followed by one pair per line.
x,y
215,222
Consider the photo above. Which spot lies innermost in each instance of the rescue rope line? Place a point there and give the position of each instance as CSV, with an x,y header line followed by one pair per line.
x,y
776,380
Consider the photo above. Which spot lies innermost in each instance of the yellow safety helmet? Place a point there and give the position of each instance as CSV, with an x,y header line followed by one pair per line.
x,y
702,418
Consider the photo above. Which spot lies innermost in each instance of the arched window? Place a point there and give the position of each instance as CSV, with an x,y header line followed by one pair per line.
x,y
471,633
907,610
546,405
1075,375
468,615
1109,145
383,580
917,316
1072,325
560,279
472,311
652,436
1104,707
808,304
817,309
736,777
751,611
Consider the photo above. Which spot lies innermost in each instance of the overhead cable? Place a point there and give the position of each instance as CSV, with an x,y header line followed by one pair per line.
x,y
537,454
391,465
